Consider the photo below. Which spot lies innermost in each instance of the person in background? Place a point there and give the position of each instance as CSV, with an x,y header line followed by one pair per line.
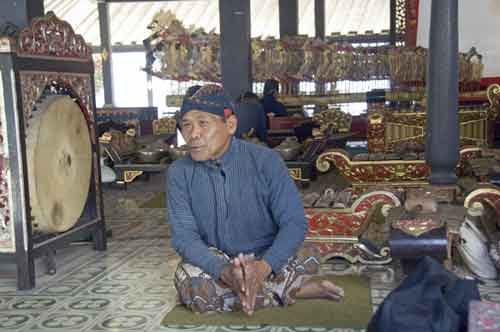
x,y
192,90
272,107
251,117
236,218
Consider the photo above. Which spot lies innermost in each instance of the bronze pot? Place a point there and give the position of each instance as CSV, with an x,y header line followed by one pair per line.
x,y
150,156
289,149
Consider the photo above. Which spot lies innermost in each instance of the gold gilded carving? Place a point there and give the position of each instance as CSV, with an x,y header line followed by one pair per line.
x,y
295,173
7,45
34,82
373,171
333,120
493,93
376,131
376,118
104,55
387,130
491,193
167,125
417,227
129,176
385,172
48,36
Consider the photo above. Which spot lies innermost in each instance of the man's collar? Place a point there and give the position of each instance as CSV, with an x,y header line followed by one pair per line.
x,y
231,153
227,158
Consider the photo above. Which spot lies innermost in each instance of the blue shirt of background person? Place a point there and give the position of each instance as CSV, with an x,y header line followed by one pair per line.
x,y
269,102
251,115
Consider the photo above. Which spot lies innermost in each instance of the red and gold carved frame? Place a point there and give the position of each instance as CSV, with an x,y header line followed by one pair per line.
x,y
396,173
337,232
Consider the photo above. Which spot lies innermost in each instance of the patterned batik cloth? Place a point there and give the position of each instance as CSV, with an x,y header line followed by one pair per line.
x,y
202,294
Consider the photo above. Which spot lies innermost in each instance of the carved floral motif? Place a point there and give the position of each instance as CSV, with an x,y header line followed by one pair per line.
x,y
346,222
376,132
373,171
48,36
336,232
33,83
385,171
167,125
353,253
491,196
295,173
333,120
417,227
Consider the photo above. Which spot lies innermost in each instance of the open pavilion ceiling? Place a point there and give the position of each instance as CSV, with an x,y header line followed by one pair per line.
x,y
129,20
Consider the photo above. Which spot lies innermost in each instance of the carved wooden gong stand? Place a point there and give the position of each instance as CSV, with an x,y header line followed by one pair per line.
x,y
46,58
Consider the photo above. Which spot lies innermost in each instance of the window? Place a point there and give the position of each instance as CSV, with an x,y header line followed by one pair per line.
x,y
129,81
99,88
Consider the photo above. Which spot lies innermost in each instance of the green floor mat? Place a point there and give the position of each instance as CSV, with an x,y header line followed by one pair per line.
x,y
354,311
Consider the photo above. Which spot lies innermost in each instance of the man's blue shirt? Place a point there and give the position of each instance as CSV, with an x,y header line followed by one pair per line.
x,y
243,203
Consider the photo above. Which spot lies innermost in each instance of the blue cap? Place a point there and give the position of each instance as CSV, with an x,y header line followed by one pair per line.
x,y
209,98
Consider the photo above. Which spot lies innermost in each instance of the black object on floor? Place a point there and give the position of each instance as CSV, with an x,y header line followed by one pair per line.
x,y
429,299
410,248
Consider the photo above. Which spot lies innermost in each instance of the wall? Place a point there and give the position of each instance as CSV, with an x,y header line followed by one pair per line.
x,y
478,25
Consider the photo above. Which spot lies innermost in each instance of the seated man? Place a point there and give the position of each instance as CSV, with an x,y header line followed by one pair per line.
x,y
272,107
251,117
236,218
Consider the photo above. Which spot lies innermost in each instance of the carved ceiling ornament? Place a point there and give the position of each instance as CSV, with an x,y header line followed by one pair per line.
x,y
48,36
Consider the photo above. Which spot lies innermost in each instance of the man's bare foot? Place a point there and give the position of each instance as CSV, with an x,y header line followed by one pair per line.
x,y
319,289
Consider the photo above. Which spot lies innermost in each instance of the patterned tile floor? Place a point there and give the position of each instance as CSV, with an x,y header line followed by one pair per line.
x,y
129,287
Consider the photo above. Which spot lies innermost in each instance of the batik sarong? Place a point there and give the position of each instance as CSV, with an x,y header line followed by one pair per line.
x,y
202,294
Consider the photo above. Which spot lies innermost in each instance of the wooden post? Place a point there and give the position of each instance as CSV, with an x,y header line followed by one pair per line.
x,y
106,52
235,46
319,22
289,26
442,90
319,18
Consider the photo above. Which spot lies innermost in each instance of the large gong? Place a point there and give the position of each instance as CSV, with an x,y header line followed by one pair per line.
x,y
59,157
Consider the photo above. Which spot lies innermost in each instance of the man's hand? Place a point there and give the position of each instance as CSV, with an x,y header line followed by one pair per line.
x,y
255,272
232,276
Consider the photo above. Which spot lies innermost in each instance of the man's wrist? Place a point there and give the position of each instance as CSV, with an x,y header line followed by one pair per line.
x,y
226,275
265,268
